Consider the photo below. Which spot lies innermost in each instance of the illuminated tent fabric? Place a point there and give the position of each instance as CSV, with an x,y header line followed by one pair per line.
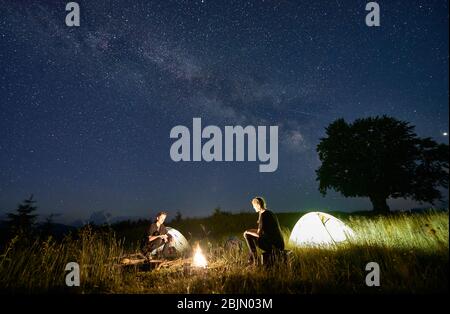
x,y
317,229
180,243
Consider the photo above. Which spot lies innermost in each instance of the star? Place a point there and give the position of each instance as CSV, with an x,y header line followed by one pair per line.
x,y
88,111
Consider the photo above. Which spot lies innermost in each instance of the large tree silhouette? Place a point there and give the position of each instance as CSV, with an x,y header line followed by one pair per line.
x,y
381,158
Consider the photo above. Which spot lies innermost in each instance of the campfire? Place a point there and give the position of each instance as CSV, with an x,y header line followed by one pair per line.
x,y
199,260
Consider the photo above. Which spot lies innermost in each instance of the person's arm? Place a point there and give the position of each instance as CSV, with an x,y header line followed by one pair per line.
x,y
151,231
253,233
163,233
153,238
261,224
256,232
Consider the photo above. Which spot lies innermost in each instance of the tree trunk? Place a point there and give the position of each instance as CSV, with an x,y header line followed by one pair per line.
x,y
380,205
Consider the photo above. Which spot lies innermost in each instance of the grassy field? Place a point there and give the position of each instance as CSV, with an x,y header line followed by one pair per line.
x,y
411,249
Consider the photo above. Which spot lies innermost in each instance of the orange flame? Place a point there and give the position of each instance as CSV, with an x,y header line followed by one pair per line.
x,y
199,260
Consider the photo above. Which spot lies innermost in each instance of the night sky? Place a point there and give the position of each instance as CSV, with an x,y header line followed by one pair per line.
x,y
86,112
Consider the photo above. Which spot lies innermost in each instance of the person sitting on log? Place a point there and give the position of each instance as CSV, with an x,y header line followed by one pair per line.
x,y
157,240
268,236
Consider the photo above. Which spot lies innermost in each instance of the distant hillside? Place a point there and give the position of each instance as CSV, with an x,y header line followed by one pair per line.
x,y
220,225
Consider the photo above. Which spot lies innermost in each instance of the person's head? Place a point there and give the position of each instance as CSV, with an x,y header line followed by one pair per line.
x,y
259,204
160,217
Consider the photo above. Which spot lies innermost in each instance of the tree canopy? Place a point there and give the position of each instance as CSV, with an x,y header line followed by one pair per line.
x,y
381,158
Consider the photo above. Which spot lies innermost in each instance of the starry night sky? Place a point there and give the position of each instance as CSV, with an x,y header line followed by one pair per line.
x,y
86,112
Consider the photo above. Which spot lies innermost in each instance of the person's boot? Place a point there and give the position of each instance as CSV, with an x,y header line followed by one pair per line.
x,y
146,255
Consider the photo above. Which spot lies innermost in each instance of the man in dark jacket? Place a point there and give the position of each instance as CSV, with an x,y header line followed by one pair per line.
x,y
157,236
268,236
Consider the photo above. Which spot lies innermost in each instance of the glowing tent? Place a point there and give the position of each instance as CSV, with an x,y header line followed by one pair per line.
x,y
318,229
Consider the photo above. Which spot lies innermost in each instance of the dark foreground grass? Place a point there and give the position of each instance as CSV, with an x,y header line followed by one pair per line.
x,y
412,251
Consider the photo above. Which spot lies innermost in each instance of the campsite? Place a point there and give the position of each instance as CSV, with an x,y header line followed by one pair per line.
x,y
410,248
224,147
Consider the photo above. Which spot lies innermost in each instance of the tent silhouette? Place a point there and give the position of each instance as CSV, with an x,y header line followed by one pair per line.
x,y
180,243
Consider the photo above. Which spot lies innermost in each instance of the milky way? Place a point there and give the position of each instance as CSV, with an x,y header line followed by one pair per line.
x,y
86,111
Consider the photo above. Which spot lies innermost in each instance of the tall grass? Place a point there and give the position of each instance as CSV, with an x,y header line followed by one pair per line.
x,y
412,251
39,266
